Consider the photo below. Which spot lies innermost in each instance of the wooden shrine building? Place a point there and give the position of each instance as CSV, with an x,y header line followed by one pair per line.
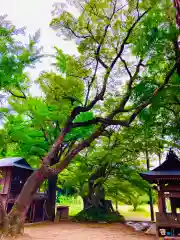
x,y
15,171
166,180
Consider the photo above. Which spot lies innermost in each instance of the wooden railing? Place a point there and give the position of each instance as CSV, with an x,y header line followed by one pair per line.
x,y
167,219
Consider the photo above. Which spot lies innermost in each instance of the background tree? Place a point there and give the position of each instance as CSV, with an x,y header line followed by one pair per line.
x,y
112,166
15,57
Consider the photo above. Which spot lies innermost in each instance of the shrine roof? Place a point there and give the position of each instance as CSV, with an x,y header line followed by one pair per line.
x,y
15,162
169,169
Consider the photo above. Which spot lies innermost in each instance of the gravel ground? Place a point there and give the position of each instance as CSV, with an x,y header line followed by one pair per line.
x,y
77,231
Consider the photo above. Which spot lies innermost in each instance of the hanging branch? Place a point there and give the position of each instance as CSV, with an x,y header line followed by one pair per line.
x,y
126,123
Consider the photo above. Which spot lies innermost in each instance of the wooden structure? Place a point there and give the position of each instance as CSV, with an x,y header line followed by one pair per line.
x,y
15,172
166,180
62,213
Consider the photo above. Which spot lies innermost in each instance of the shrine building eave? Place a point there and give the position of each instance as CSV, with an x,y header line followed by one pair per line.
x,y
157,176
168,170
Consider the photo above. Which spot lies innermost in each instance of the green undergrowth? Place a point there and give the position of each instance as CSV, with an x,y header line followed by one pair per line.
x,y
76,205
94,215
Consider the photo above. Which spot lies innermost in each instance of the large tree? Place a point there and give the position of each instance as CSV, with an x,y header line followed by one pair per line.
x,y
102,168
108,34
33,124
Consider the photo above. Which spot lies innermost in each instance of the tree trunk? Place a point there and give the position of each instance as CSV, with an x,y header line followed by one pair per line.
x,y
85,202
96,199
96,194
97,208
51,202
14,222
150,190
2,214
135,205
116,200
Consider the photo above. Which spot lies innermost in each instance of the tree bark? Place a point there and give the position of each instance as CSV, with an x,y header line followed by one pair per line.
x,y
116,200
96,193
15,219
96,199
85,202
51,201
2,213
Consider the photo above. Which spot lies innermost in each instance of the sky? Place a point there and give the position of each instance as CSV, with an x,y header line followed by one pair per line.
x,y
34,15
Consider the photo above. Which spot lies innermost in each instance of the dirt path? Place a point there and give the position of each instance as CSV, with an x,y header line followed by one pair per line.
x,y
76,231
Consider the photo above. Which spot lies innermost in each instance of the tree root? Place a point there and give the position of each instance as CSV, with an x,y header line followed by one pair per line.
x,y
92,214
12,226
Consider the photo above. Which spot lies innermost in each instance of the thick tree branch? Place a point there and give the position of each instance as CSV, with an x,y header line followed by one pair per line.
x,y
148,102
59,167
75,34
58,25
69,148
90,84
109,69
167,78
126,97
45,135
90,32
127,37
126,67
23,96
102,62
100,95
56,146
98,59
100,120
79,109
137,7
138,110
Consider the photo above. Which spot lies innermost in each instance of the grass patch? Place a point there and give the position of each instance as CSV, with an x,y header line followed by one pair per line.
x,y
76,205
143,211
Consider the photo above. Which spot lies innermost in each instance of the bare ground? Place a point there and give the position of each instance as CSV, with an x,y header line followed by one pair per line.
x,y
77,231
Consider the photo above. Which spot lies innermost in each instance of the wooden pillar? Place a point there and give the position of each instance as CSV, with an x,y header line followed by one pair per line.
x,y
161,202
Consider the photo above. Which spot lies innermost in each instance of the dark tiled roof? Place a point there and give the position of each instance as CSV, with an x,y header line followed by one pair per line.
x,y
15,162
172,163
162,173
169,169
